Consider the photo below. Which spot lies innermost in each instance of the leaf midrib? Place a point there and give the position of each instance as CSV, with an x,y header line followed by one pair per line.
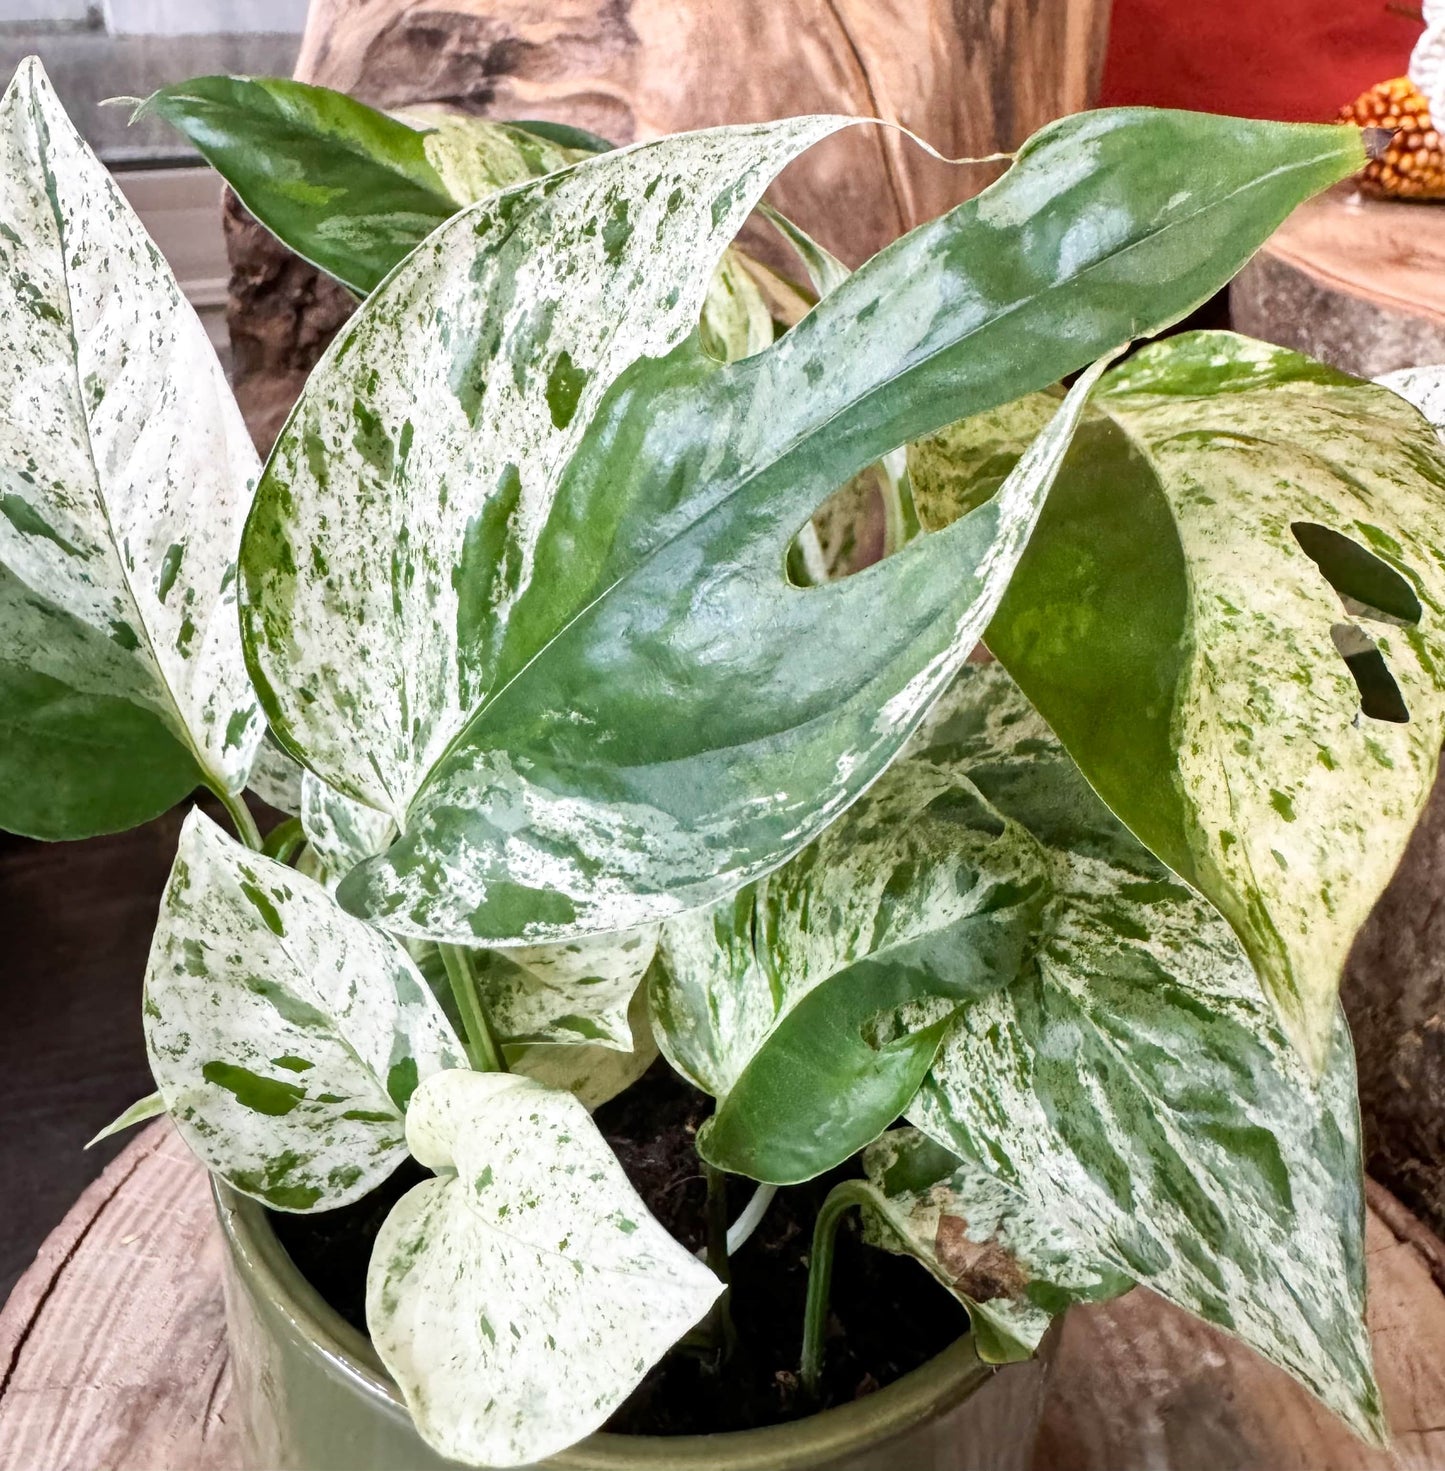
x,y
788,344
42,143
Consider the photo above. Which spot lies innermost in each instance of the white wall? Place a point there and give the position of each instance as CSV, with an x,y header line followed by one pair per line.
x,y
66,12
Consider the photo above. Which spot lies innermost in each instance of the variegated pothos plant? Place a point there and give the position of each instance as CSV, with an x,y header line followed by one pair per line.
x,y
591,752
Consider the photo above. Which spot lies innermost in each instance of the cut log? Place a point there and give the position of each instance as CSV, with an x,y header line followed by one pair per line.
x,y
969,76
1358,283
112,1353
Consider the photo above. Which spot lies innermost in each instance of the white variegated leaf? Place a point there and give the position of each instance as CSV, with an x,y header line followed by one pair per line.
x,y
285,1037
1424,387
1012,1267
343,832
1135,1088
592,1074
125,468
468,484
520,1297
898,877
276,778
1265,708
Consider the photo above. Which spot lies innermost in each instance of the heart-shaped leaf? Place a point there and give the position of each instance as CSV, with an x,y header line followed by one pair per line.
x,y
1232,615
919,889
1134,1087
125,471
342,832
519,1298
285,1037
570,720
1013,1269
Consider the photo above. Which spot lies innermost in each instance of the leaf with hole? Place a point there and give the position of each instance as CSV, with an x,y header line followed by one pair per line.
x,y
1231,614
285,1037
1014,1269
125,471
570,569
530,1266
1134,1087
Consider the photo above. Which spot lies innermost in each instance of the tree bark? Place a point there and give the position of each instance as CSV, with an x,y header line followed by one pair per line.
x,y
971,77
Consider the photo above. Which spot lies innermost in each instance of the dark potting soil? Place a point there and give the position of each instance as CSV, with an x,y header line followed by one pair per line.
x,y
888,1316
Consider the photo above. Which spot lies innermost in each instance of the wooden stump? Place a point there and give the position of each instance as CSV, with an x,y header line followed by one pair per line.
x,y
970,76
112,1354
1358,283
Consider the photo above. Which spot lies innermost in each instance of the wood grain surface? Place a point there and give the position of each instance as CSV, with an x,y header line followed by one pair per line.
x,y
1358,283
112,1354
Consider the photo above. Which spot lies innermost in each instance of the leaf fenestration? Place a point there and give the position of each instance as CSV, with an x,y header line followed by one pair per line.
x,y
1197,618
547,718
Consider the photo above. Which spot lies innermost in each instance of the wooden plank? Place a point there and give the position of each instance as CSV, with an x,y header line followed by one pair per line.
x,y
112,1353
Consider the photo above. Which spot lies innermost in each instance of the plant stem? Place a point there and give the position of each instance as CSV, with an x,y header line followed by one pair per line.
x,y
240,815
720,1320
484,1051
820,1276
284,840
751,1218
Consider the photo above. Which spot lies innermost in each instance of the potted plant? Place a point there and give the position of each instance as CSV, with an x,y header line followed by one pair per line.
x,y
1031,966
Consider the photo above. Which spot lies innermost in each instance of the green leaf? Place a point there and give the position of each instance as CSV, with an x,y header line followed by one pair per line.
x,y
919,889
1012,1268
550,685
1244,544
530,1268
1135,1089
285,1037
346,187
125,471
152,1106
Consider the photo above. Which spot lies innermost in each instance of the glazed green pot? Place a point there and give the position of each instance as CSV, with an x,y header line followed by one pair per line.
x,y
311,1395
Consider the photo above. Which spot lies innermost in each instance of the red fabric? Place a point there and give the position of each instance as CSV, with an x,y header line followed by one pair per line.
x,y
1293,60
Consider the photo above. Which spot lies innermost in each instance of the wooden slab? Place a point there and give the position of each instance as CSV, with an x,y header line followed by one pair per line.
x,y
112,1354
1358,283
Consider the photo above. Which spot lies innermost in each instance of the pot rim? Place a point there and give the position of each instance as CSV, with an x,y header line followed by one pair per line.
x,y
923,1394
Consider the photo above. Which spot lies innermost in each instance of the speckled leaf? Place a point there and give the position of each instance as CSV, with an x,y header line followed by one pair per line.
x,y
285,1037
1174,620
593,1074
541,622
1423,387
1011,1266
125,470
1135,1088
519,1298
342,832
919,889
276,778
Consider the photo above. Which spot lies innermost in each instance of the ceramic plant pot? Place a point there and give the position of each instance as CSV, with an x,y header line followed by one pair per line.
x,y
311,1395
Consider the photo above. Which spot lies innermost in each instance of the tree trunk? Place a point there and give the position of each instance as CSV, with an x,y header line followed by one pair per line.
x,y
971,77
